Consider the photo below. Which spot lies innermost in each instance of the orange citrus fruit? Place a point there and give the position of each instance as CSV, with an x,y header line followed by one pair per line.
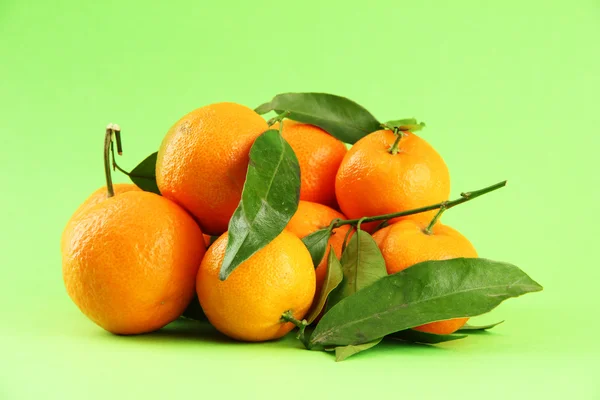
x,y
203,159
319,155
248,305
406,243
311,217
372,181
129,262
101,194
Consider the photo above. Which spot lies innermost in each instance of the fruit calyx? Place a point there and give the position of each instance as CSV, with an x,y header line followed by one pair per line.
x,y
399,135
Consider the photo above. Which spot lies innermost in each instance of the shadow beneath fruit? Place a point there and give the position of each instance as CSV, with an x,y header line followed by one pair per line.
x,y
188,331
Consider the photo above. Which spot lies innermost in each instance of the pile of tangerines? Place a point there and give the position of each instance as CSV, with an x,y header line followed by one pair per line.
x,y
133,260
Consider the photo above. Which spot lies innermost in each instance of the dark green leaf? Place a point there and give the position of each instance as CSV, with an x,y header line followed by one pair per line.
x,y
144,175
408,124
269,200
362,264
426,292
343,352
339,116
332,279
411,335
194,311
316,243
467,327
264,108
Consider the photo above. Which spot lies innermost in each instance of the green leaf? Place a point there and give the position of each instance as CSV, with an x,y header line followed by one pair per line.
x,y
343,352
411,335
212,240
333,278
467,327
194,311
269,200
362,264
144,175
426,292
316,243
264,108
408,124
339,116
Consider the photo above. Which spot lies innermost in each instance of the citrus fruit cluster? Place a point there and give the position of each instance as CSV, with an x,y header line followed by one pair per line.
x,y
272,225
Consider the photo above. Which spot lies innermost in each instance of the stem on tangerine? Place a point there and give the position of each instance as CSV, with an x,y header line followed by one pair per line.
x,y
435,219
399,135
288,316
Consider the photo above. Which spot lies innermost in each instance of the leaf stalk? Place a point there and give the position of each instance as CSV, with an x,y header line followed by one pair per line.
x,y
446,204
278,118
435,219
288,316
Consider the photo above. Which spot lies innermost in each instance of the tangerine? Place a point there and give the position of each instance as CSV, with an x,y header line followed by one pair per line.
x,y
319,155
203,159
407,242
129,261
248,305
373,181
311,217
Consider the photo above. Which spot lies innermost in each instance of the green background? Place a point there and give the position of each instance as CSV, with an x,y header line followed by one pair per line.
x,y
509,90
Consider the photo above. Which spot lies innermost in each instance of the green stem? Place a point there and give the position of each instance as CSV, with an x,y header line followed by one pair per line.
x,y
115,165
114,161
120,152
346,237
129,174
288,316
359,223
332,224
382,225
399,135
278,118
447,204
107,146
435,219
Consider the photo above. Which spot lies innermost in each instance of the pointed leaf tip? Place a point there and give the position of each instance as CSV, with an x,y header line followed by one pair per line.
x,y
316,243
343,352
467,327
263,108
333,278
362,264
